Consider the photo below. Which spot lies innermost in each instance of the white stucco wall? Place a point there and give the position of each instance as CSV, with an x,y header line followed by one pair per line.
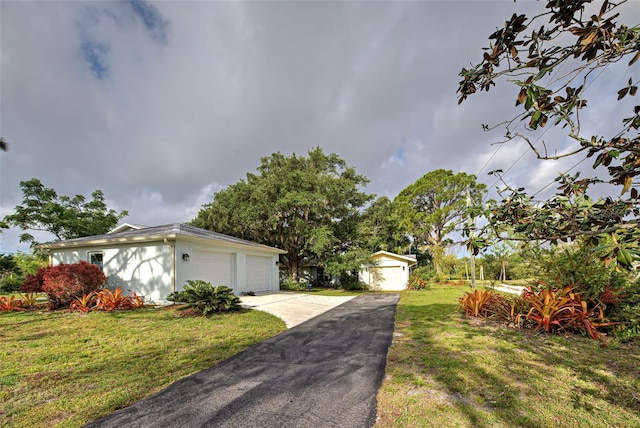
x,y
393,274
145,268
141,268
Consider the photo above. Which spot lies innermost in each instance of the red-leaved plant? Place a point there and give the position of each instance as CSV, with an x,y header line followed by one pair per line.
x,y
10,304
33,283
84,303
65,282
475,304
107,300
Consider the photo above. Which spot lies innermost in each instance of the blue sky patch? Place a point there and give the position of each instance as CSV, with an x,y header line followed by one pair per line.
x,y
96,55
153,20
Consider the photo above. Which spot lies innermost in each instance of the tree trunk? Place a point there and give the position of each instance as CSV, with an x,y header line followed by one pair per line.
x,y
294,265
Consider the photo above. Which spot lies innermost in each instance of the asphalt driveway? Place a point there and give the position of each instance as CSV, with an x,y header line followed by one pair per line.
x,y
322,373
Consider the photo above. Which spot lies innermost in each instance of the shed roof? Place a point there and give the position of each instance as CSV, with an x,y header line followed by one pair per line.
x,y
154,233
409,258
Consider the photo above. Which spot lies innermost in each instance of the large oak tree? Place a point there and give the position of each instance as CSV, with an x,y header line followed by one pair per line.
x,y
306,205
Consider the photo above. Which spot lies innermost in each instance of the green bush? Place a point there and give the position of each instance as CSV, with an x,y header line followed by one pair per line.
x,y
426,273
417,282
628,313
349,282
10,283
581,269
293,286
206,299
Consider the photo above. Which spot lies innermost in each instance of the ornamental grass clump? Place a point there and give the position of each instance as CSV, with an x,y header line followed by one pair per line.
x,y
205,299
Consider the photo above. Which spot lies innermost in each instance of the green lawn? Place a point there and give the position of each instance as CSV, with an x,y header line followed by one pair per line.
x,y
66,369
444,370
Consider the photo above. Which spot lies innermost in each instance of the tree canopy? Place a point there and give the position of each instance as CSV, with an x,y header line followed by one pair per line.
x,y
308,206
65,217
434,206
553,65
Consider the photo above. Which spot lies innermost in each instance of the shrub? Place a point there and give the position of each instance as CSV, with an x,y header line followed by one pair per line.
x,y
427,273
10,304
84,303
507,307
293,286
29,300
65,282
566,310
351,282
33,283
10,283
205,298
476,303
106,300
417,282
580,268
628,313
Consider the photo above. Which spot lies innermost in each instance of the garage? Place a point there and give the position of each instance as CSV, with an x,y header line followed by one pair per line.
x,y
213,267
387,278
387,271
259,273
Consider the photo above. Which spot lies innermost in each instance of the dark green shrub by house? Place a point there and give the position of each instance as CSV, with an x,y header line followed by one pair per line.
x,y
205,298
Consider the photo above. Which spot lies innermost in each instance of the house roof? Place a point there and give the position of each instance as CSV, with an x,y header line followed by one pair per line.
x,y
409,258
158,233
126,226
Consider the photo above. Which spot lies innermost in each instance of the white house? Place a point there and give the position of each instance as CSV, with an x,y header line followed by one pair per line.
x,y
388,271
155,261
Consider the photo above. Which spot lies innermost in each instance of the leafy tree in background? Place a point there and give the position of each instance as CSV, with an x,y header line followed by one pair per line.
x,y
552,59
64,217
4,146
308,206
15,268
380,228
434,206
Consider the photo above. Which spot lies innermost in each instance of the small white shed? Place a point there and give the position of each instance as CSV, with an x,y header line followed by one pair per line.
x,y
388,271
155,261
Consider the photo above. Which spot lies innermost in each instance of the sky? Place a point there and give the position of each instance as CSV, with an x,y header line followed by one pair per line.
x,y
161,104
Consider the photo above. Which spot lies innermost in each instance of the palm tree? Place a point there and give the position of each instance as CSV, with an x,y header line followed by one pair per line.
x,y
4,146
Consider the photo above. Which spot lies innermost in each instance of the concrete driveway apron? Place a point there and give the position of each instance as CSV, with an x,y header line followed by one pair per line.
x,y
293,308
322,373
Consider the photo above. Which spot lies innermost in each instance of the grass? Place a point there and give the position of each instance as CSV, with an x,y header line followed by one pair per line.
x,y
444,370
326,291
66,369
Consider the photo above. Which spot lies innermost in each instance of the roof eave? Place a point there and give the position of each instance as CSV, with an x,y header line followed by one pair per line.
x,y
154,238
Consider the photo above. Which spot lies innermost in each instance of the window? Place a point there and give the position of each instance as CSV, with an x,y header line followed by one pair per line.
x,y
95,258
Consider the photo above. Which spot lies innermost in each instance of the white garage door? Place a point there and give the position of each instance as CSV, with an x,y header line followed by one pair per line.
x,y
388,277
216,268
258,273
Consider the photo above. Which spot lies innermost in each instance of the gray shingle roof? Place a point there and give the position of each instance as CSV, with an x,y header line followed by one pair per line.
x,y
169,231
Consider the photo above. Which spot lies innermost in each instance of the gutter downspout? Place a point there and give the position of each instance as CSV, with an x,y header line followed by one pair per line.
x,y
173,264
